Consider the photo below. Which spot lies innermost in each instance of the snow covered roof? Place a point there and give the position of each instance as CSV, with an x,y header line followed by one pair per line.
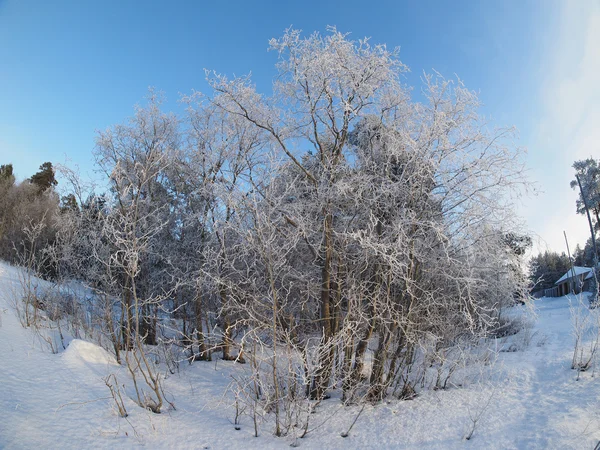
x,y
578,271
589,275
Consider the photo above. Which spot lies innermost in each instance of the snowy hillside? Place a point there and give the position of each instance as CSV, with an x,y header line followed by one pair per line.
x,y
529,399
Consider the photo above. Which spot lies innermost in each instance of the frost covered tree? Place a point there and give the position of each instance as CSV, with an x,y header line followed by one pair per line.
x,y
387,201
135,157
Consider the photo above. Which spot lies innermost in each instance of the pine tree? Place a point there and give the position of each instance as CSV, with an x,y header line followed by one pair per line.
x,y
45,178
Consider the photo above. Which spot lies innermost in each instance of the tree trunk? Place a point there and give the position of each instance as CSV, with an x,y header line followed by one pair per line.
x,y
202,353
378,386
323,373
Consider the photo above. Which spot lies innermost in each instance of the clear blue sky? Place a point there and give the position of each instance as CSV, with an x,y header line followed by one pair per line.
x,y
70,68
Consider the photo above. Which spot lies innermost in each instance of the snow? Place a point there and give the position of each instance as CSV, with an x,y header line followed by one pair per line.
x,y
578,271
80,353
589,275
529,399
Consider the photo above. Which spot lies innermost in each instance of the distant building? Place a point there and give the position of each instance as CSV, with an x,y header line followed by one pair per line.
x,y
574,280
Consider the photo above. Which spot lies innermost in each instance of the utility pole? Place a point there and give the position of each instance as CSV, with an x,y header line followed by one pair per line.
x,y
574,284
587,210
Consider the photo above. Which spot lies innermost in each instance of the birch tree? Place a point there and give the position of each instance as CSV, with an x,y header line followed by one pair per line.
x,y
388,216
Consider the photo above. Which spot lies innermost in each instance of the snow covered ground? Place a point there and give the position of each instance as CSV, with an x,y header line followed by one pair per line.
x,y
533,400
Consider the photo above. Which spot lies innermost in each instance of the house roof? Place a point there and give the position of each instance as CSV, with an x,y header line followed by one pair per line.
x,y
578,271
589,275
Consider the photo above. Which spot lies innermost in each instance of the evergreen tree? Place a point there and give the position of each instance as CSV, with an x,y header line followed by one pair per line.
x,y
6,174
578,256
45,178
588,172
587,256
69,203
546,268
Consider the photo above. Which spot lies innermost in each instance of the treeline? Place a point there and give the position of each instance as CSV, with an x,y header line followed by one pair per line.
x,y
546,268
24,205
335,235
584,256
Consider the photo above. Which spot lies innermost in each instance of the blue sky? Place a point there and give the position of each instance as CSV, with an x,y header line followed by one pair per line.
x,y
69,68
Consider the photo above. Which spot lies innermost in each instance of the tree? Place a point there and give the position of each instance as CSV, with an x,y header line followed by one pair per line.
x,y
6,174
546,268
24,206
44,179
588,253
7,181
588,171
579,256
422,179
135,156
68,203
517,245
